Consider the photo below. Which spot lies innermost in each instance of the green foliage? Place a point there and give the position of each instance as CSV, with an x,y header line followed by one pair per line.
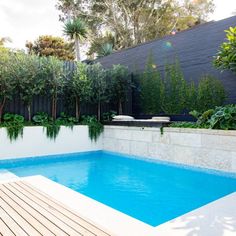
x,y
120,84
76,30
108,116
151,88
53,127
95,127
14,124
173,95
175,90
134,22
66,120
105,50
226,57
40,118
47,45
54,75
184,125
223,117
101,45
28,78
99,86
7,83
52,130
210,93
79,86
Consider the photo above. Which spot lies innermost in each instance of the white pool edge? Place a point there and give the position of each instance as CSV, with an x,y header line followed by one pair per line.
x,y
103,216
220,213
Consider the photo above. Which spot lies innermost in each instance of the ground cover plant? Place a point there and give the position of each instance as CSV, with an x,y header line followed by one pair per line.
x,y
221,117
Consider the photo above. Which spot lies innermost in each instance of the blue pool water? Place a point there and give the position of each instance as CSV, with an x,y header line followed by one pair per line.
x,y
152,192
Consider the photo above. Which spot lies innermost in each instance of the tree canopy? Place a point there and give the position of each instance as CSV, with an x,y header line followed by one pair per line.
x,y
47,45
133,22
226,57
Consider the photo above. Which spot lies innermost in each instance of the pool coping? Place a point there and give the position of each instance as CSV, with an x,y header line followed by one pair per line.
x,y
217,216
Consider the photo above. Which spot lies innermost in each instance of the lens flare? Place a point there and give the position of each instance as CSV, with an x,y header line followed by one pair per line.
x,y
167,45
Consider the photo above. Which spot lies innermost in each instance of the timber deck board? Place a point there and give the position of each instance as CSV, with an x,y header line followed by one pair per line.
x,y
26,211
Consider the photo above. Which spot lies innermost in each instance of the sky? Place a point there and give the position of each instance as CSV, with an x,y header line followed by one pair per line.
x,y
23,20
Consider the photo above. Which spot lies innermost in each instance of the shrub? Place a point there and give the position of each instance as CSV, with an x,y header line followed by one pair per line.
x,y
151,88
14,124
210,93
175,90
222,117
226,57
120,84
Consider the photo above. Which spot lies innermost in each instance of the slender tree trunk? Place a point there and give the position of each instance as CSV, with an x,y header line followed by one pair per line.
x,y
77,107
1,108
120,107
29,111
99,110
54,107
77,49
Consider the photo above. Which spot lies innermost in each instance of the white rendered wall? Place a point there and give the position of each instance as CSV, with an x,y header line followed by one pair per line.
x,y
214,149
35,142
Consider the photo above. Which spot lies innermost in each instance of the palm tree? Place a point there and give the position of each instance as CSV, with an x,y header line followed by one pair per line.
x,y
76,30
105,50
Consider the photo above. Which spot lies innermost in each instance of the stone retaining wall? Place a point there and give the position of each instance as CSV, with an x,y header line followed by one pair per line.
x,y
215,149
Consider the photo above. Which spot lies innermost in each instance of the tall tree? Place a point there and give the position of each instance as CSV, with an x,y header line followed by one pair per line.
x,y
99,87
76,30
54,74
79,87
7,84
28,78
120,85
136,21
48,45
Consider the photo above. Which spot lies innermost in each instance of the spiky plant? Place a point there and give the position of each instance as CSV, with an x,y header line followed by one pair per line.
x,y
76,30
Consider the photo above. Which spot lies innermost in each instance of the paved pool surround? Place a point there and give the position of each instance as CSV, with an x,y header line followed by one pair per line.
x,y
214,149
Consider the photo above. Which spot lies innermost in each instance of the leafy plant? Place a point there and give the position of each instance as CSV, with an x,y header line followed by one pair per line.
x,y
54,73
151,86
66,120
175,90
210,93
95,127
76,30
40,118
120,84
184,125
223,117
107,116
28,76
52,130
226,57
14,124
7,83
99,86
79,87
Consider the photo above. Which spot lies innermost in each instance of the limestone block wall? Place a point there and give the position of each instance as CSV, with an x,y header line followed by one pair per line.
x,y
214,149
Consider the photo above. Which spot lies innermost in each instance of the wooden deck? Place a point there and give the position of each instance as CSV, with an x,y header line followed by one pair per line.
x,y
24,210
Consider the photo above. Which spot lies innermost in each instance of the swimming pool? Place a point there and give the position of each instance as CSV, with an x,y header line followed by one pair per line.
x,y
153,192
